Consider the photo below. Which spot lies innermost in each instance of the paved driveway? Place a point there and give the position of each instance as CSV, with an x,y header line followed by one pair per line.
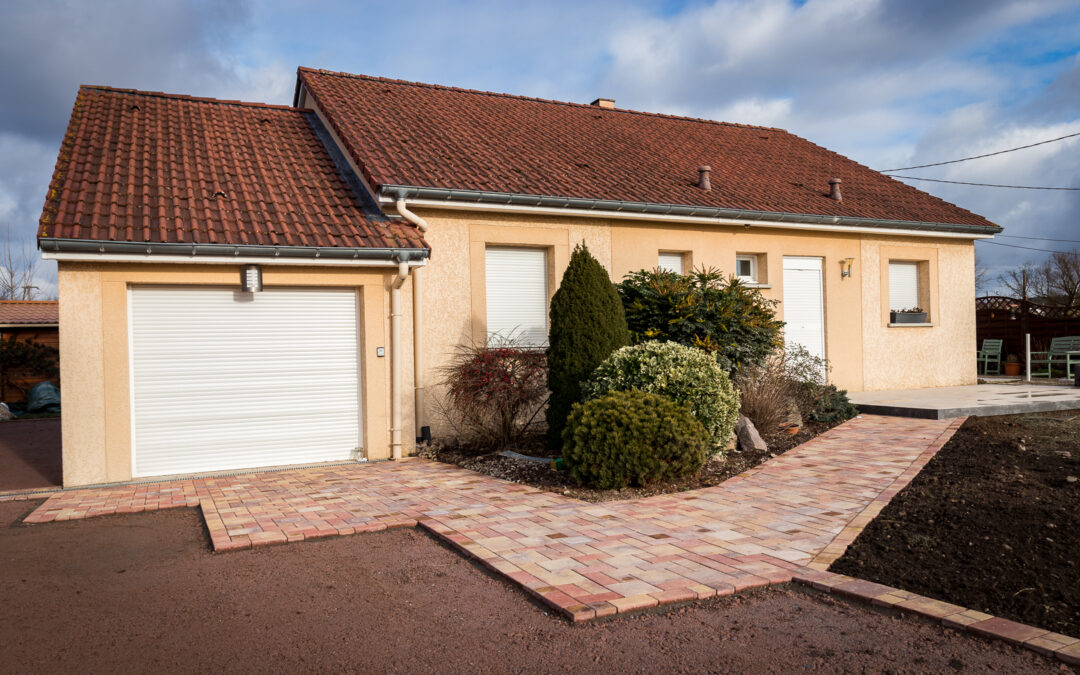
x,y
588,560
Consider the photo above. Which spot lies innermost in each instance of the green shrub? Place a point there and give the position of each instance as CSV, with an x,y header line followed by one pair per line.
x,y
685,375
702,309
831,404
587,324
632,438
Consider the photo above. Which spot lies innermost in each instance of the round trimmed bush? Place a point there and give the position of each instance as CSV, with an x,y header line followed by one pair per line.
x,y
632,438
686,375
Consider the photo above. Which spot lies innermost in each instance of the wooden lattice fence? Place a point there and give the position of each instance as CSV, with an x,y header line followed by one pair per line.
x,y
1009,319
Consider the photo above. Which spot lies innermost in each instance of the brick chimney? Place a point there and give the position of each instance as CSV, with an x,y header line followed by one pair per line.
x,y
604,103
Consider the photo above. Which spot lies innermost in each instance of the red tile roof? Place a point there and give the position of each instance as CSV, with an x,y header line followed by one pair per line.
x,y
29,312
412,134
149,167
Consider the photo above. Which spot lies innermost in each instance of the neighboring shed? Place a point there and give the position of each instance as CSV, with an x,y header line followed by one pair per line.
x,y
30,320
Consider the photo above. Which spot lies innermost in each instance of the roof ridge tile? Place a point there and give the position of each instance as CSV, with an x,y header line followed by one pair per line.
x,y
532,99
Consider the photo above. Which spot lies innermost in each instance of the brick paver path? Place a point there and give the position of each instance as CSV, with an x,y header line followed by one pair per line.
x,y
587,560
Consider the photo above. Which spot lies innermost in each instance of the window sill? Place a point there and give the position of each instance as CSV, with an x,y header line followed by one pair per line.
x,y
910,325
754,284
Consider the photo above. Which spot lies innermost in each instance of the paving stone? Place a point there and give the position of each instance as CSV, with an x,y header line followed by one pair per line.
x,y
1003,629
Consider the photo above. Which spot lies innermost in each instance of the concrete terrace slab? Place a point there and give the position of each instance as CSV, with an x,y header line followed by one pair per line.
x,y
586,560
938,403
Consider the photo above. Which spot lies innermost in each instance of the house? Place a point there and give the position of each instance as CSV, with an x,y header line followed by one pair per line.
x,y
248,285
29,320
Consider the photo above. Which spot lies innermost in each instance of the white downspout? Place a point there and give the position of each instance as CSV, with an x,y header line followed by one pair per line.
x,y
418,326
396,364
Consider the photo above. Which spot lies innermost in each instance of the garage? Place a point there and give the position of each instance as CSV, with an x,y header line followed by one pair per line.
x,y
223,379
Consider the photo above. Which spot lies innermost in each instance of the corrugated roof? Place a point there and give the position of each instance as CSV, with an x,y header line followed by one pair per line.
x,y
413,134
150,167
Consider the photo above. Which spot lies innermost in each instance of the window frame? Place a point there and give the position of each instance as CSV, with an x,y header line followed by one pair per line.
x,y
752,258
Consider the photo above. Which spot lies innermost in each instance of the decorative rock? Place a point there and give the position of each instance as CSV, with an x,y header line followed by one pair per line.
x,y
5,413
749,438
1070,479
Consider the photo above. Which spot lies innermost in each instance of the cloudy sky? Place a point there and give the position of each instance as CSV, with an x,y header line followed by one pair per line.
x,y
890,83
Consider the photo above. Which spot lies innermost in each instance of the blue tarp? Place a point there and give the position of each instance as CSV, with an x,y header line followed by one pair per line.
x,y
43,397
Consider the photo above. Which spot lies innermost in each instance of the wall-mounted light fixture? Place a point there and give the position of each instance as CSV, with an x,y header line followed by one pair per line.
x,y
845,267
251,278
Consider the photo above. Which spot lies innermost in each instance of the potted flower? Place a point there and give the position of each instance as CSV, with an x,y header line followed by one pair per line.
x,y
913,315
1012,364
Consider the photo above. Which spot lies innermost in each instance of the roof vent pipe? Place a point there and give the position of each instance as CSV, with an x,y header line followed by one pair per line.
x,y
703,177
834,189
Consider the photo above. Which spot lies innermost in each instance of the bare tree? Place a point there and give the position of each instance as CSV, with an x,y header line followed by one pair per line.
x,y
1055,282
1063,279
18,266
1025,282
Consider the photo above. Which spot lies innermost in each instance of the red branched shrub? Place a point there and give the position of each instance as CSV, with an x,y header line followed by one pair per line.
x,y
494,392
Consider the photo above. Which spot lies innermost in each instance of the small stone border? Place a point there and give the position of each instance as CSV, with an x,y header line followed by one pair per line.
x,y
1044,642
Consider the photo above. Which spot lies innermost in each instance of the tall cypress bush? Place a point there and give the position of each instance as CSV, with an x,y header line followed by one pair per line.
x,y
587,324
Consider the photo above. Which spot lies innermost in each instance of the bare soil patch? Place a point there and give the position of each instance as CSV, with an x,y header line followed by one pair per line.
x,y
30,454
142,593
541,475
991,523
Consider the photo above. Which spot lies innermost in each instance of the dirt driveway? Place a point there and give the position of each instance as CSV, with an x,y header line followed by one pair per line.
x,y
30,454
143,592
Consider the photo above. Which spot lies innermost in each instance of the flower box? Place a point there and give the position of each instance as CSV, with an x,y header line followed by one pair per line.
x,y
907,317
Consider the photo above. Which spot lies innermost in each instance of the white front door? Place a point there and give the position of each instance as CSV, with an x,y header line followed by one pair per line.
x,y
228,380
804,304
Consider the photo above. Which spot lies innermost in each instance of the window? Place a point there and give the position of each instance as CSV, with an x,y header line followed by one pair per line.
x,y
746,268
903,285
671,262
517,294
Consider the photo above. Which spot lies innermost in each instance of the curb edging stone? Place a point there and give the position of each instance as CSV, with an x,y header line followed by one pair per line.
x,y
1048,643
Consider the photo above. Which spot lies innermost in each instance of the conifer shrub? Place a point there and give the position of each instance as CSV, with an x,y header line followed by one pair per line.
x,y
586,325
685,375
632,438
702,309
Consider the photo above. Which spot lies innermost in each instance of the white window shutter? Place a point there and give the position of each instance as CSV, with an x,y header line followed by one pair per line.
x,y
517,295
903,285
671,262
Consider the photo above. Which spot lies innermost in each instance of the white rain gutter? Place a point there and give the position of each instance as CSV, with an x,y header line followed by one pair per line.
x,y
223,260
460,205
423,431
396,365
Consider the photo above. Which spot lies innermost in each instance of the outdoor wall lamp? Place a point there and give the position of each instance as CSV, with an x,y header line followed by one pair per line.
x,y
250,278
845,267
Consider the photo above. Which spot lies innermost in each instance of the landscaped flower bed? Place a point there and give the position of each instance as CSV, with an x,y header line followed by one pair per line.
x,y
541,475
991,523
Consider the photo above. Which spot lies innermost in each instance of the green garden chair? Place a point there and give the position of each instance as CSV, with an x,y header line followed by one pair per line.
x,y
1064,351
990,355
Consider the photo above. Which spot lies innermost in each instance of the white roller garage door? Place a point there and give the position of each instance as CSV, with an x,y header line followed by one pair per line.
x,y
226,380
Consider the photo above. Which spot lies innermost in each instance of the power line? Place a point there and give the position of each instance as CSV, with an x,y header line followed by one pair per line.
x,y
1017,236
989,154
996,185
1027,248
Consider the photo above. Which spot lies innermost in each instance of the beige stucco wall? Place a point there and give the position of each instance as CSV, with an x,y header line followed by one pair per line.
x,y
902,357
865,352
95,359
